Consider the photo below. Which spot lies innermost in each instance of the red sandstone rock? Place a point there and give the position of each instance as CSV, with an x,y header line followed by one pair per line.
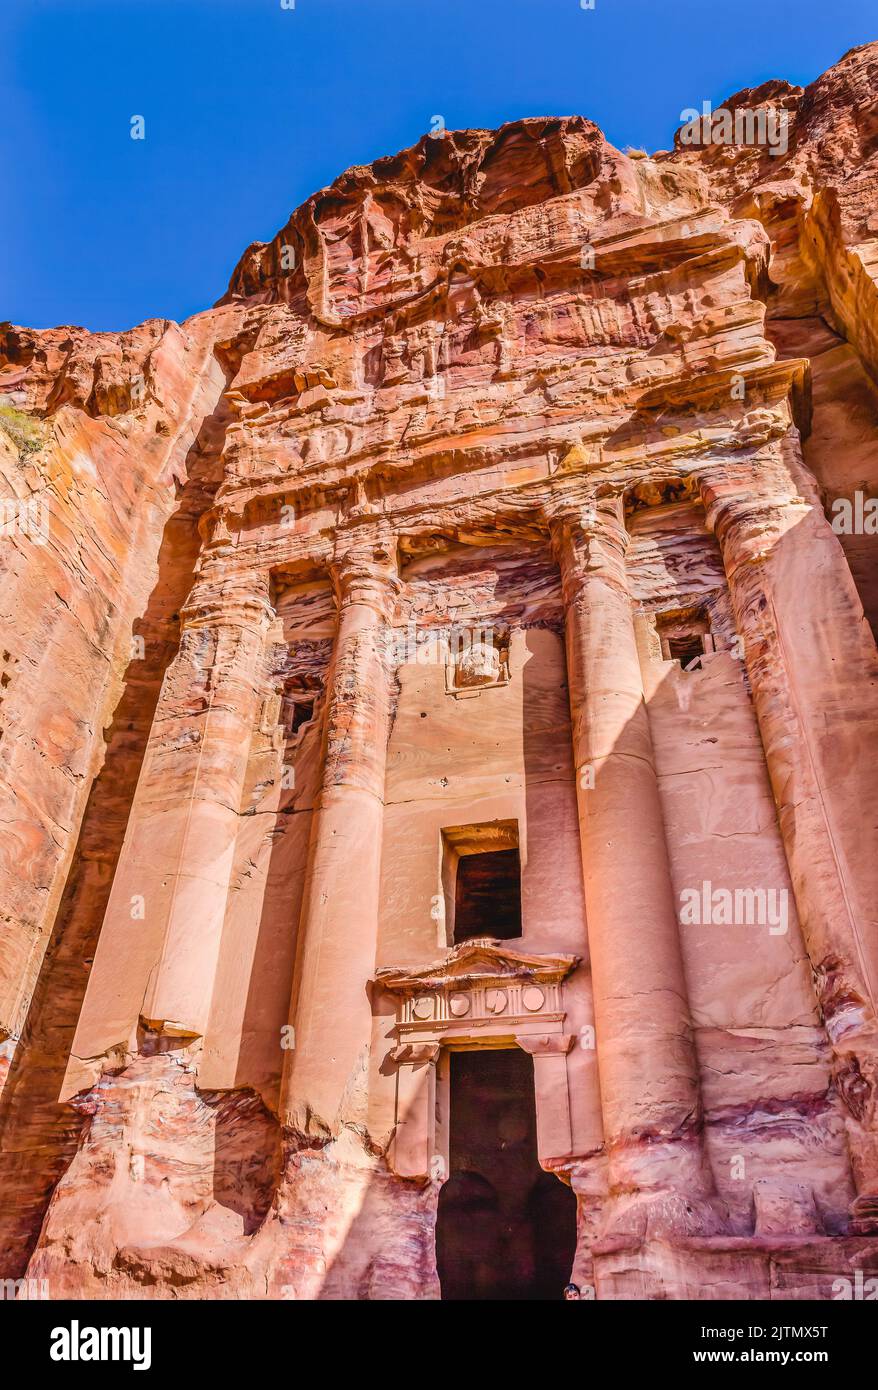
x,y
487,514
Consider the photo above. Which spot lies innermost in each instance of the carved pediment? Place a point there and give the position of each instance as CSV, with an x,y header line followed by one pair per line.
x,y
476,964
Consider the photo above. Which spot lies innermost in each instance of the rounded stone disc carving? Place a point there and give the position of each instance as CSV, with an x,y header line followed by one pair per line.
x,y
458,1005
423,1008
496,1001
532,998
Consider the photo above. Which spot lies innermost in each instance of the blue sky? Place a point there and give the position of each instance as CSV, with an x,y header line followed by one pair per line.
x,y
250,107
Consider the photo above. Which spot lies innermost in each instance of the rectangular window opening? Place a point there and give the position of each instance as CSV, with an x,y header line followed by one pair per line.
x,y
480,887
487,895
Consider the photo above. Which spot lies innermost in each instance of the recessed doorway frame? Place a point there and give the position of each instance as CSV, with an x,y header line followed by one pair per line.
x,y
484,994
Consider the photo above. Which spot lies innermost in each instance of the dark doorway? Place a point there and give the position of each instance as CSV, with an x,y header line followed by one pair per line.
x,y
487,895
505,1229
303,712
686,650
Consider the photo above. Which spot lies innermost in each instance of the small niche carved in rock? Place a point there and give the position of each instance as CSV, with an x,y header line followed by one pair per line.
x,y
302,713
687,650
685,637
478,659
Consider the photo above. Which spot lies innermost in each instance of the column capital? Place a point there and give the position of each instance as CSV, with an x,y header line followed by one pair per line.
x,y
746,511
546,1044
365,572
591,511
415,1054
241,601
589,539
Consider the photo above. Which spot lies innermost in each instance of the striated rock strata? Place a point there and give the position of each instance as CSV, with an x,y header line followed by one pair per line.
x,y
461,639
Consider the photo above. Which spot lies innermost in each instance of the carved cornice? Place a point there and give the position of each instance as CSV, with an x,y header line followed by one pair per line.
x,y
475,964
532,503
706,391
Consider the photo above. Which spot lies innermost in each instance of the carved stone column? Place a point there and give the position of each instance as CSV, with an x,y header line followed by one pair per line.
x,y
413,1154
813,667
327,1069
650,1096
551,1092
160,940
227,631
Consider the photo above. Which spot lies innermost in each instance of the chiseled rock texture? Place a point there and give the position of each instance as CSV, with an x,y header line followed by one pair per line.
x,y
514,500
